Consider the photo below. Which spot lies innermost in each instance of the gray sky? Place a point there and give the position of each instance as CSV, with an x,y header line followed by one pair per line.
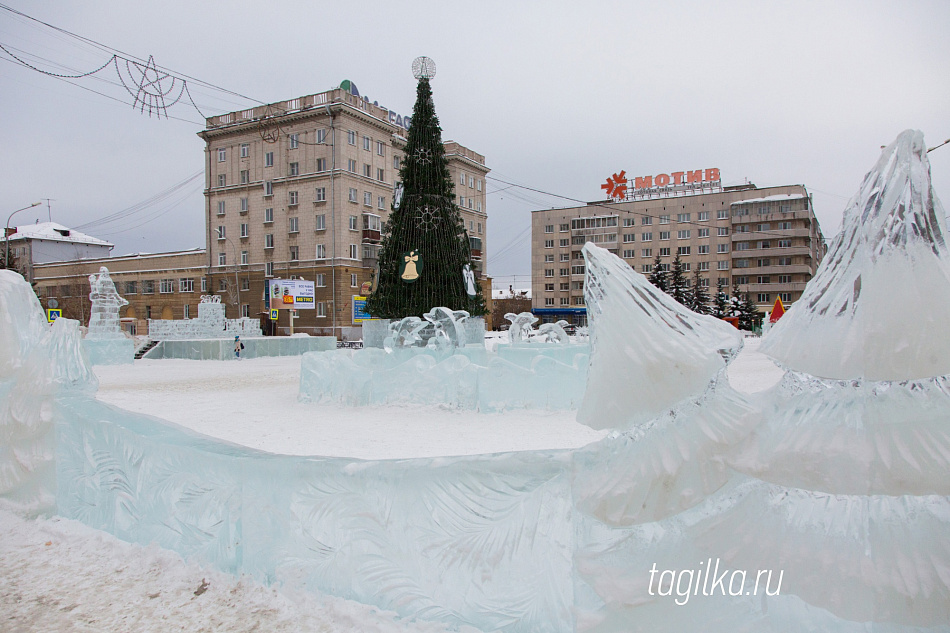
x,y
556,95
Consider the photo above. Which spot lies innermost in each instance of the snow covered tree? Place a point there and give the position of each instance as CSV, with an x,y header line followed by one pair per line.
x,y
425,259
658,276
678,286
721,304
698,297
746,310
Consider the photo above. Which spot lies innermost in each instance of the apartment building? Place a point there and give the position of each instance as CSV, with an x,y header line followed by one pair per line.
x,y
765,241
302,188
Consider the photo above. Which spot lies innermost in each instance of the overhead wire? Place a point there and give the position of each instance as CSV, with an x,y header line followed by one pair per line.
x,y
141,206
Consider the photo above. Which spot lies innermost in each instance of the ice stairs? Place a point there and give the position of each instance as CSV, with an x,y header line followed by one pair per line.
x,y
145,349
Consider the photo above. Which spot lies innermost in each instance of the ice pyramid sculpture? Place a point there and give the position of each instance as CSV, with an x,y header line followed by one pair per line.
x,y
879,305
649,352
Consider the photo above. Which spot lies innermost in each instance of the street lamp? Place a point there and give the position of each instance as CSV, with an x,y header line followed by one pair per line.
x,y
237,287
6,234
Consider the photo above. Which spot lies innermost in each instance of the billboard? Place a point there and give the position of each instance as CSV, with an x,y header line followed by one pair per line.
x,y
359,309
290,294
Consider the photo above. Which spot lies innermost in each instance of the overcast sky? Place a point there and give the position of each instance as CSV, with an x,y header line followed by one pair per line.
x,y
556,95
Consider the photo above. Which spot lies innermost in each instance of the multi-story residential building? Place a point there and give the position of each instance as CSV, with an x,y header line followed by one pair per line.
x,y
302,188
763,241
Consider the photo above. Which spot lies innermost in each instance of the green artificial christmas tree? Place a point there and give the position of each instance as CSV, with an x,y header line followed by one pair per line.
x,y
425,260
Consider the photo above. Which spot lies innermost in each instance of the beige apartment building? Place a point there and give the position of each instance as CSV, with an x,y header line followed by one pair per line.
x,y
765,241
300,189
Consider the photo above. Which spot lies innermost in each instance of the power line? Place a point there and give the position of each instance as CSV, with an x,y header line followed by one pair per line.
x,y
139,207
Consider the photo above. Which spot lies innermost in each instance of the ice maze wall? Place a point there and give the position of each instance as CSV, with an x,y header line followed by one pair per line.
x,y
835,486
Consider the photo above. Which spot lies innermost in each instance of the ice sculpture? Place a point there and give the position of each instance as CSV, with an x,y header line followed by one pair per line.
x,y
553,333
37,362
649,352
105,342
104,313
878,307
211,323
520,329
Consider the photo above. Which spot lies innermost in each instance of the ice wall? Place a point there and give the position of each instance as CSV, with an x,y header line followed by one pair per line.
x,y
465,378
223,349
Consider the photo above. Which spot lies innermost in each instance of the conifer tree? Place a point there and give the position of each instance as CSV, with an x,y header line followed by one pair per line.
x,y
698,297
658,276
721,306
678,288
749,315
425,247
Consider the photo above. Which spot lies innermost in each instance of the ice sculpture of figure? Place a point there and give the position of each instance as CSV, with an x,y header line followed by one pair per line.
x,y
520,329
106,301
449,324
404,333
553,333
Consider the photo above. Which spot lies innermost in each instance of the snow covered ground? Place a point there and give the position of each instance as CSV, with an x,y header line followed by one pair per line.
x,y
59,575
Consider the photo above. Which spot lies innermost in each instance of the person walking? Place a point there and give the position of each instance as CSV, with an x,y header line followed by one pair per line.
x,y
238,346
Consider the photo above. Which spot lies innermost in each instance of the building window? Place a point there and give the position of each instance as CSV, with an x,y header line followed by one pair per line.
x,y
548,258
354,223
367,170
763,279
646,268
785,279
294,253
186,285
722,248
351,137
765,244
354,252
742,263
222,180
245,176
221,206
703,215
245,150
148,312
665,252
664,219
682,235
565,257
577,269
682,217
629,237
703,232
722,214
353,195
664,235
130,287
722,231
354,281
629,253
367,143
294,169
204,284
368,198
646,252
268,215
763,297
784,261
548,272
321,309
578,301
682,250
321,251
166,286
293,225
292,198
380,174
320,194
321,281
549,301
222,259
294,141
244,205
269,159
148,287
786,297
763,261
549,228
244,260
461,178
549,287
380,148
222,154
395,162
702,266
381,202
742,246
321,222
245,230
351,165
784,243
646,237
221,233
269,240
563,272
268,188
548,243
564,242
702,249
186,311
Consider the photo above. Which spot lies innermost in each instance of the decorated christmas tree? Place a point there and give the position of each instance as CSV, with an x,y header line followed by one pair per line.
x,y
425,260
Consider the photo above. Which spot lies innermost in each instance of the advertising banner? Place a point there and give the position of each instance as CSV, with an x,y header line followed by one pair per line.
x,y
359,309
290,294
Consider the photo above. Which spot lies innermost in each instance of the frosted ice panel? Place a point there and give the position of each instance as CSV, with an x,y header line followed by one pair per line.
x,y
852,437
523,354
223,349
484,541
375,332
879,305
109,351
649,352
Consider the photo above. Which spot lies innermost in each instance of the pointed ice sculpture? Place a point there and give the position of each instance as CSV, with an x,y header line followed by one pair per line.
x,y
648,352
879,305
104,313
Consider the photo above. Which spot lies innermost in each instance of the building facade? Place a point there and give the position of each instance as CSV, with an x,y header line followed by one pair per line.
x,y
157,286
763,241
301,189
44,242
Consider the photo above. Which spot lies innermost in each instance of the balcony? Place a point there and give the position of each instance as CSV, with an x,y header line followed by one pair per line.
x,y
371,236
372,228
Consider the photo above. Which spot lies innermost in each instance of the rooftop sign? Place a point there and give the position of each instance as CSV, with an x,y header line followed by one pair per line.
x,y
676,183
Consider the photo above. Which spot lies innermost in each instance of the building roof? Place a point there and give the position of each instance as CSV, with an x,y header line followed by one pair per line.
x,y
776,198
54,232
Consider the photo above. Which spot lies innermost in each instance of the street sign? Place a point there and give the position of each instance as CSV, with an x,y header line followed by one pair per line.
x,y
273,314
52,303
53,314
